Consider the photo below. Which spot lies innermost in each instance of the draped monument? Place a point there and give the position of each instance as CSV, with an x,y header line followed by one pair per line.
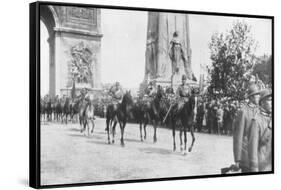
x,y
168,52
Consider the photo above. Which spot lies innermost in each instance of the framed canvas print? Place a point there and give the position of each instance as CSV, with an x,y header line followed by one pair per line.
x,y
126,94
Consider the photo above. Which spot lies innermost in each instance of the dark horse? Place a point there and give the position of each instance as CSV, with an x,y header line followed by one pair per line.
x,y
121,114
148,110
185,119
49,109
58,110
74,109
141,113
155,111
66,110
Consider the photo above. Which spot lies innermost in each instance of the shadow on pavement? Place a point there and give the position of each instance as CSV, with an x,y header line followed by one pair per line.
x,y
74,129
138,141
77,135
156,150
101,132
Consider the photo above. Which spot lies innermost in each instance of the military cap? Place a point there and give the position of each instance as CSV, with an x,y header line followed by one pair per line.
x,y
252,90
176,34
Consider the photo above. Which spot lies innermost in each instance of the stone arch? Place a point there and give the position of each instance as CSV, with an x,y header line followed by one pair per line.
x,y
67,27
49,18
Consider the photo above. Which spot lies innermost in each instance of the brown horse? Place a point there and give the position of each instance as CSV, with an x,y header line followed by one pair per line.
x,y
185,120
141,113
149,110
120,115
155,111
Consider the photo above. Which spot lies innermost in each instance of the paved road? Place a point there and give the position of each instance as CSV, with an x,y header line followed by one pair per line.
x,y
69,157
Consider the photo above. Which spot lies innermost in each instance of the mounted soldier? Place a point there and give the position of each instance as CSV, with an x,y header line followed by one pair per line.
x,y
116,93
149,93
183,93
150,90
241,127
83,93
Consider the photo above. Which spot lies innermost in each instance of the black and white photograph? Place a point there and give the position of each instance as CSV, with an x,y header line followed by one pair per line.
x,y
132,94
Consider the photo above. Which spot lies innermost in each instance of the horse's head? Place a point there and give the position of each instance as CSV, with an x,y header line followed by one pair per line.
x,y
159,93
128,99
190,105
128,102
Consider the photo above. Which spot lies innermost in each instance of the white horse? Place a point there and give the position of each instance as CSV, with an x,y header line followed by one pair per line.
x,y
89,123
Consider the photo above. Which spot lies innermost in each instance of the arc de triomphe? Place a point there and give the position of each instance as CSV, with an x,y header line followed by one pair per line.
x,y
74,47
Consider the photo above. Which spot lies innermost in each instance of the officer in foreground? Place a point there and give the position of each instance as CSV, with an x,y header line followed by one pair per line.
x,y
260,136
242,125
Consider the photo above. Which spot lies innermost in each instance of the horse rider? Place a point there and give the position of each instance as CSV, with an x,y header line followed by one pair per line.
x,y
116,92
83,93
183,93
260,136
241,127
150,90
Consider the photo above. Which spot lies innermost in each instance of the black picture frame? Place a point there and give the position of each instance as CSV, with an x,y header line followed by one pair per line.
x,y
34,93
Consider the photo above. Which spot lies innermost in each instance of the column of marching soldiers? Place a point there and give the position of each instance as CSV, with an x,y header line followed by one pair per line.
x,y
248,121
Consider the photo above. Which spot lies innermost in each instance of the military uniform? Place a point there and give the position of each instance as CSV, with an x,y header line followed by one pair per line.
x,y
183,93
83,94
116,93
241,132
260,144
260,137
241,127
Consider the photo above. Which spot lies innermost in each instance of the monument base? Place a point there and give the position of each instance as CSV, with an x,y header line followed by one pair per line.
x,y
166,83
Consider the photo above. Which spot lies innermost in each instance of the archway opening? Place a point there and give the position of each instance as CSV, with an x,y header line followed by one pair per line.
x,y
47,47
45,61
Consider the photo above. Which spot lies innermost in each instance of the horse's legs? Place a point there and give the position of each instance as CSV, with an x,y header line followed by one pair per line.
x,y
155,130
85,124
80,123
62,116
141,131
86,127
174,133
122,132
107,127
113,131
144,128
93,125
181,148
185,139
66,118
193,139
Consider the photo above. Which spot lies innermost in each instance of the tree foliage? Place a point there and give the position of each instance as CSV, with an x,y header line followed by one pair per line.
x,y
232,60
263,69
